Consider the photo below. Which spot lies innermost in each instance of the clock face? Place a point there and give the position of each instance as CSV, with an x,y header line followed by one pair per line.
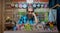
x,y
38,5
45,5
20,5
34,5
16,5
12,4
42,5
24,5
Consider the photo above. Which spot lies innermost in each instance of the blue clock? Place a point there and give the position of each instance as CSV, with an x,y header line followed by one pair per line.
x,y
34,5
38,5
24,5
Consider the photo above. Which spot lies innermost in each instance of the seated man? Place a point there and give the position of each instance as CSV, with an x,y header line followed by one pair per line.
x,y
29,18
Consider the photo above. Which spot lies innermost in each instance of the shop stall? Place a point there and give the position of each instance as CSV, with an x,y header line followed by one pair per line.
x,y
15,9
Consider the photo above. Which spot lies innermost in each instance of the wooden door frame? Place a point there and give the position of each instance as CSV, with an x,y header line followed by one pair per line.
x,y
2,16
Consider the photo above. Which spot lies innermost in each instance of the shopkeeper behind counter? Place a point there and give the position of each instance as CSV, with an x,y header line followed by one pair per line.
x,y
29,18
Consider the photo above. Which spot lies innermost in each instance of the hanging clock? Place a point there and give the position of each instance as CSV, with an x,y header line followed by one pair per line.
x,y
16,5
24,6
45,5
34,5
38,5
42,5
20,5
12,5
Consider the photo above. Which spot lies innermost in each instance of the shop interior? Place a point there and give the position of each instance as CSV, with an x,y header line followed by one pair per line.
x,y
15,9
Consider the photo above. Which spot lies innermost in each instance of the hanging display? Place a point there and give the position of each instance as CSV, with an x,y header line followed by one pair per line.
x,y
24,6
34,5
20,5
42,5
45,5
38,5
16,5
12,5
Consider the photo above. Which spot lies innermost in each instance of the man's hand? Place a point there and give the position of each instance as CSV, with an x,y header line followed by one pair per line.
x,y
33,14
35,17
56,5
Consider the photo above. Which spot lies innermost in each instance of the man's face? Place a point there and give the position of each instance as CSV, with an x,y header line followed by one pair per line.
x,y
30,11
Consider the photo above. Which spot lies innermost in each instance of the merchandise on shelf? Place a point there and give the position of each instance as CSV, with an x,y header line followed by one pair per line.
x,y
16,5
34,5
28,27
45,5
20,5
42,5
12,5
38,5
51,25
24,6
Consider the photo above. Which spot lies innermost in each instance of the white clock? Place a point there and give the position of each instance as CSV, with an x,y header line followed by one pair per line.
x,y
20,5
24,5
34,5
16,5
38,5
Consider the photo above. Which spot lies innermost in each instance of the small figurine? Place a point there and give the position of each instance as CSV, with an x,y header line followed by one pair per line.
x,y
40,27
51,25
43,24
20,27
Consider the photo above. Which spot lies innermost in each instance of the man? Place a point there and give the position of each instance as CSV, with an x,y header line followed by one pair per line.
x,y
30,18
